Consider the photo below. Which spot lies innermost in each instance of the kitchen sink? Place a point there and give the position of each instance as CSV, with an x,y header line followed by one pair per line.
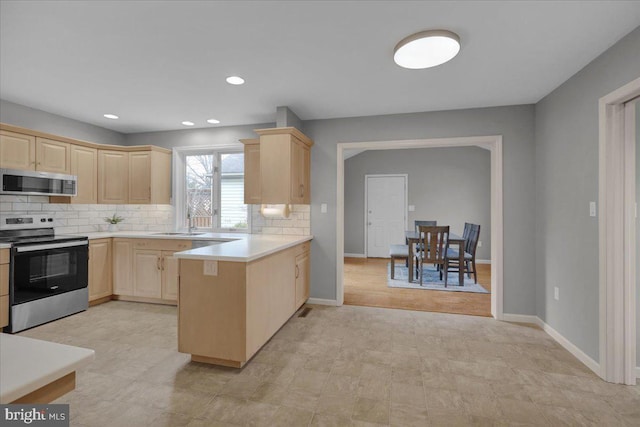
x,y
178,234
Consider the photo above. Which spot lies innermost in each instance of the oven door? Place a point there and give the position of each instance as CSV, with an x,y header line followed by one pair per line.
x,y
47,269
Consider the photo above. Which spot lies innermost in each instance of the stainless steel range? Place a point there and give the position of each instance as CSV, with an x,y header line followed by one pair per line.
x,y
48,273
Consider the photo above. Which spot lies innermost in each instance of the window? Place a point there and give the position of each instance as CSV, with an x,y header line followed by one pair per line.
x,y
209,189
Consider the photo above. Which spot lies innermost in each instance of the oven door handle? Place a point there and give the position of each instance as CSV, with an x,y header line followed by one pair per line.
x,y
51,246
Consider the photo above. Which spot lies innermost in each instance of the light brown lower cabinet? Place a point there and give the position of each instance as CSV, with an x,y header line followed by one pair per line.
x,y
146,270
100,269
226,318
4,287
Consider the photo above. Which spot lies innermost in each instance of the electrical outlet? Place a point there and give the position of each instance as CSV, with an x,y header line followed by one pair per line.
x,y
323,208
592,208
479,243
210,268
556,293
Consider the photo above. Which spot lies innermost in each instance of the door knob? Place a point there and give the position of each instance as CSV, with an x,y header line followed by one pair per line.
x,y
368,223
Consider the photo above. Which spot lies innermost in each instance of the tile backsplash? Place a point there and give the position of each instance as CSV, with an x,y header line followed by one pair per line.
x,y
90,218
298,223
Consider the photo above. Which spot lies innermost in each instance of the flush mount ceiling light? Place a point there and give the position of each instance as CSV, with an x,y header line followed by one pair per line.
x,y
235,80
111,116
213,121
426,49
188,123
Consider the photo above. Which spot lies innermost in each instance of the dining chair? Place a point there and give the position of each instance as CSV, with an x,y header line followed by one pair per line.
x,y
471,246
434,244
417,223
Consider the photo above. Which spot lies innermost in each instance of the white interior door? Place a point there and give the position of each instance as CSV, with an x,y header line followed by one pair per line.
x,y
386,206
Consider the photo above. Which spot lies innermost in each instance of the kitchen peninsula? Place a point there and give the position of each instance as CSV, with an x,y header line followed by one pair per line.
x,y
233,297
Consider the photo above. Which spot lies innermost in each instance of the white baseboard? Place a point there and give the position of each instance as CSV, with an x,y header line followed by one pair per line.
x,y
522,318
320,301
483,261
568,345
354,256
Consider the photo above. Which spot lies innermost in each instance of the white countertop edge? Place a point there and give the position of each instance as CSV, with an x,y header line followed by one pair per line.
x,y
5,245
278,246
80,357
94,235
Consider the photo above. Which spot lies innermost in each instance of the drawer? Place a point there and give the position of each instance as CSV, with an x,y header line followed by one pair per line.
x,y
4,311
162,244
4,256
4,279
304,247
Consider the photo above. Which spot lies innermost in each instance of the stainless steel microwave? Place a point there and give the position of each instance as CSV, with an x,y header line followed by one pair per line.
x,y
13,181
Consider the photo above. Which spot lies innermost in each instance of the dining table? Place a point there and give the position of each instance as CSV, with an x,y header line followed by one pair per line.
x,y
412,237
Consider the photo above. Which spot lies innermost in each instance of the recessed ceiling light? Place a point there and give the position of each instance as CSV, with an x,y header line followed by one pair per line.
x,y
187,123
213,121
426,49
111,116
235,80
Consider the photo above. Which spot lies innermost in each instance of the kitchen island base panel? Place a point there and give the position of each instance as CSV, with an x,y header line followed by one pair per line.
x,y
226,319
51,391
214,361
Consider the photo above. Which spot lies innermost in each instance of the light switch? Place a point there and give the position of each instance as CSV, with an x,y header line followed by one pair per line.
x,y
323,208
412,208
592,208
210,268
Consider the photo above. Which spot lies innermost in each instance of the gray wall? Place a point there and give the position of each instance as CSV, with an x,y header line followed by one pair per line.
x,y
196,137
19,115
566,167
637,234
514,123
450,185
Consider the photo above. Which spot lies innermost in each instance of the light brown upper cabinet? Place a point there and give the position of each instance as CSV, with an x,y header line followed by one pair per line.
x,y
53,156
251,171
17,151
113,177
149,177
111,174
285,162
84,164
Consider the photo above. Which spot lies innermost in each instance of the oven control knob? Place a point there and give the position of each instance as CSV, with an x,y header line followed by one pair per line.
x,y
50,219
43,220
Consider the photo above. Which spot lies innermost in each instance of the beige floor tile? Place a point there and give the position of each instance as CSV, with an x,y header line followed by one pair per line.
x,y
289,417
373,411
312,381
409,394
301,399
325,420
427,368
336,405
341,385
374,388
402,415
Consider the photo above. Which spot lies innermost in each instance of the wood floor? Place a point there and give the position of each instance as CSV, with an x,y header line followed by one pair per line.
x,y
365,283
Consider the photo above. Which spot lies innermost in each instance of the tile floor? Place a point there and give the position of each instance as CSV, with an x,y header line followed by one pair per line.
x,y
342,366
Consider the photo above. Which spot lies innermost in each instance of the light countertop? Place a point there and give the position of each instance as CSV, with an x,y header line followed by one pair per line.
x,y
239,247
5,245
158,235
27,364
249,248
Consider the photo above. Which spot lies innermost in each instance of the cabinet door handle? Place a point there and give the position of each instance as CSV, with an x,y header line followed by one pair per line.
x,y
162,264
158,264
297,271
301,192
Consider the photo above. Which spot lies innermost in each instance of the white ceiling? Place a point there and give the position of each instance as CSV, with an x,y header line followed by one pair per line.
x,y
156,64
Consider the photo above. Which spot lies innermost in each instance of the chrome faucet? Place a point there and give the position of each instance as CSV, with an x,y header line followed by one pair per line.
x,y
190,220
